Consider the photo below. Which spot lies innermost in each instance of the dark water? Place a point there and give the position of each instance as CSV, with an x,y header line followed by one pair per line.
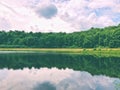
x,y
45,71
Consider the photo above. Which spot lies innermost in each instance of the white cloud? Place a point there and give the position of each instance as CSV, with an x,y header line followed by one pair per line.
x,y
101,3
71,15
4,23
81,14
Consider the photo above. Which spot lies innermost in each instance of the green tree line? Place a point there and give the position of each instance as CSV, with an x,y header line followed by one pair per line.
x,y
92,38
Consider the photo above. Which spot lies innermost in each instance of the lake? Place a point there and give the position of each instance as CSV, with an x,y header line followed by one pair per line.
x,y
52,71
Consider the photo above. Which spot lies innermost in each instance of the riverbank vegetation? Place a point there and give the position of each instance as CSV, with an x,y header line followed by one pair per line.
x,y
99,52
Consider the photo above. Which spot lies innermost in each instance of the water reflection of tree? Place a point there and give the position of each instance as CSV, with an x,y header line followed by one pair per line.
x,y
94,65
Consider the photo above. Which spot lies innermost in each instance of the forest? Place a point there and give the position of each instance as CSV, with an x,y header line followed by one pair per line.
x,y
108,37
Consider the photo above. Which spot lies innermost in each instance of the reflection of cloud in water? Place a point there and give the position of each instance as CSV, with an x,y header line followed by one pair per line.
x,y
53,79
45,86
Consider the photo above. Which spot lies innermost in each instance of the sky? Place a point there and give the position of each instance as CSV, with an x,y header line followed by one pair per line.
x,y
58,15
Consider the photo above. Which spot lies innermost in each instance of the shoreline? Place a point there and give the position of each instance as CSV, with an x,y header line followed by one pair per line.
x,y
99,52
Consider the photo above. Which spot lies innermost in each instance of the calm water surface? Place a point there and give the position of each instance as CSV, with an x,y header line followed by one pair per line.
x,y
44,71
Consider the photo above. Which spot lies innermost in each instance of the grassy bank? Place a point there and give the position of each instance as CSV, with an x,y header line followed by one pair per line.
x,y
97,52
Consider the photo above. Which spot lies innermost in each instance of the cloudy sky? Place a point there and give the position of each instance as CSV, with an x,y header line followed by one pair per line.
x,y
58,15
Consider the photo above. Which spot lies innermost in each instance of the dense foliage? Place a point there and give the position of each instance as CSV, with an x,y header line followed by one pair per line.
x,y
95,37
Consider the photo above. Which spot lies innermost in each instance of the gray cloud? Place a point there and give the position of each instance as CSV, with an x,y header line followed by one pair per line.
x,y
47,11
